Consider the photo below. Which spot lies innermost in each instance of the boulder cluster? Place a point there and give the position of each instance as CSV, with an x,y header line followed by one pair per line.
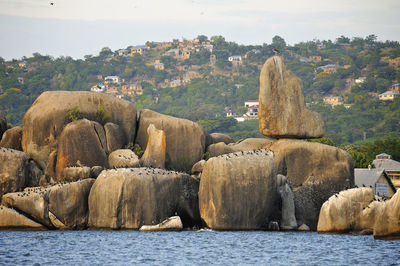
x,y
87,160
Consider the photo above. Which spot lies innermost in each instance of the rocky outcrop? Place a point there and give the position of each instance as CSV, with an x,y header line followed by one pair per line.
x,y
12,139
11,219
249,144
123,158
115,137
342,211
238,191
171,224
282,112
154,155
75,173
288,220
3,124
197,168
387,222
185,140
315,171
80,144
45,119
129,198
13,170
218,137
34,174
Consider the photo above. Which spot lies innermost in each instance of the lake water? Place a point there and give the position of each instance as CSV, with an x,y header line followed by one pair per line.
x,y
191,247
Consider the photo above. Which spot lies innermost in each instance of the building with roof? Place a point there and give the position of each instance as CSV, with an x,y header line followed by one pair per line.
x,y
377,179
139,49
250,103
388,96
395,87
334,100
392,168
330,68
111,79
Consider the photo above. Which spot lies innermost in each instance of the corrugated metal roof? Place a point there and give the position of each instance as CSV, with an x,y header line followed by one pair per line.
x,y
386,164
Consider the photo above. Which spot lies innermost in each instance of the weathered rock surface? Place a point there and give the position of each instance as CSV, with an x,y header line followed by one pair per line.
x,y
95,171
13,170
171,224
34,174
249,144
282,112
80,145
315,171
218,137
387,222
11,219
45,119
129,198
69,203
197,168
288,220
75,173
115,137
238,192
303,227
3,124
185,140
156,149
12,139
342,211
123,158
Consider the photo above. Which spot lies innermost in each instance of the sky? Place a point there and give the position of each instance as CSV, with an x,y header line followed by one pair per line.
x,y
83,27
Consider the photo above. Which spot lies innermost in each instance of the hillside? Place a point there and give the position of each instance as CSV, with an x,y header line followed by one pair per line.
x,y
204,78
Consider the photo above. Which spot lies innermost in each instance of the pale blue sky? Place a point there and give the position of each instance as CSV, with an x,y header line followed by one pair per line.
x,y
80,27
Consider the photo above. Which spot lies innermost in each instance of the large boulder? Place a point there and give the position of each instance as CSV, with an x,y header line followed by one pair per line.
x,y
288,220
238,192
115,137
218,137
11,219
282,111
12,139
249,144
75,173
342,211
124,158
129,198
80,144
315,171
185,140
46,118
387,222
13,170
156,149
171,224
3,124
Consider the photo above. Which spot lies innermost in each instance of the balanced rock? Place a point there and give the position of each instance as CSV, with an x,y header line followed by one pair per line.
x,y
171,224
282,112
13,170
123,158
218,137
45,119
342,211
238,191
185,140
249,144
129,198
154,155
12,139
315,171
387,222
80,144
11,219
115,137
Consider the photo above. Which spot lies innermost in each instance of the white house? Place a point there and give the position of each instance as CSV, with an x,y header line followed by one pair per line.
x,y
235,58
360,80
111,79
388,96
100,88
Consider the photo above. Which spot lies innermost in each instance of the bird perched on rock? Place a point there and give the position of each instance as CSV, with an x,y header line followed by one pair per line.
x,y
275,51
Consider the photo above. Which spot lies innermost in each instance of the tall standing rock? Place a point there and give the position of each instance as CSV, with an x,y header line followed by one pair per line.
x,y
282,112
46,118
238,191
13,170
154,155
387,220
185,140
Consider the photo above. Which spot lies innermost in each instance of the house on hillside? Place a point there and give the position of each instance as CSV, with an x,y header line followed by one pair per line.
x,y
250,103
315,58
385,162
360,80
158,66
173,52
111,79
123,52
395,88
99,88
388,96
139,49
334,100
330,68
235,58
377,179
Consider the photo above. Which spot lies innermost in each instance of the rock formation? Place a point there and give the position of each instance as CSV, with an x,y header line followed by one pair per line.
x,y
154,155
11,219
282,112
127,198
288,220
123,158
218,137
387,222
81,143
197,168
238,190
75,173
46,118
185,140
249,144
3,124
12,139
13,170
115,137
315,171
341,212
171,224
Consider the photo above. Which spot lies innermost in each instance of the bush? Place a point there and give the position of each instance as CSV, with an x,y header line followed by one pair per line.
x,y
135,148
74,114
102,115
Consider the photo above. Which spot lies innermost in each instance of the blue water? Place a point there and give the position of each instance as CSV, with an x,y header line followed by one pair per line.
x,y
191,247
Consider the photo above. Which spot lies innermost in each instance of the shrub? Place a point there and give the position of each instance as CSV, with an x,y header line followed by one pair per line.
x,y
102,115
74,114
